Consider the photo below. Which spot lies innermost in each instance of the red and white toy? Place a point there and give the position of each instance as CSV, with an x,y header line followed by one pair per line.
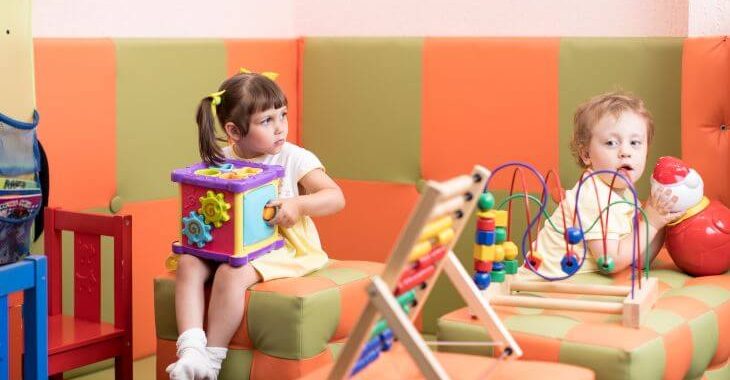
x,y
699,241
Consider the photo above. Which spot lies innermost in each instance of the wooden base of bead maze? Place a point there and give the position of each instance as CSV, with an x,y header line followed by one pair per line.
x,y
632,309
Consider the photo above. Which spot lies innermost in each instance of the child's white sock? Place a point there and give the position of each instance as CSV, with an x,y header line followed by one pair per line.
x,y
192,363
216,355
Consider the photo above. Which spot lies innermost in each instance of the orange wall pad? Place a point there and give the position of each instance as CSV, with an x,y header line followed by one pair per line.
x,y
487,101
154,227
368,226
76,87
279,56
705,111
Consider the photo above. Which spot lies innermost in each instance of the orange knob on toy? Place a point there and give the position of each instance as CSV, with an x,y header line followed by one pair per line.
x,y
269,213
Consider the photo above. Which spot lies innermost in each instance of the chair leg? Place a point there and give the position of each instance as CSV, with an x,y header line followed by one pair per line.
x,y
123,366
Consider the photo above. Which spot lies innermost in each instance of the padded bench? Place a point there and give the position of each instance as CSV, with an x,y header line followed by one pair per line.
x,y
291,326
686,335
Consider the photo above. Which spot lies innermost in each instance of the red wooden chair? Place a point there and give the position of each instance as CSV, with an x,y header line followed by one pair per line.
x,y
81,339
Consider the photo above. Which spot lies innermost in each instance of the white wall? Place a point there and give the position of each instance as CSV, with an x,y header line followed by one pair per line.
x,y
164,18
491,18
291,18
709,17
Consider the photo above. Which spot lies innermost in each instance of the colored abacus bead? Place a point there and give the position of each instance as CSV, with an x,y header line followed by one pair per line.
x,y
510,250
484,252
485,224
497,275
386,339
499,252
482,266
485,237
534,259
482,280
606,264
500,218
498,266
500,235
569,263
486,201
511,266
574,235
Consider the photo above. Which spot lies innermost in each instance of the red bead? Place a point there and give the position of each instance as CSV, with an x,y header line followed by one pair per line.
x,y
484,224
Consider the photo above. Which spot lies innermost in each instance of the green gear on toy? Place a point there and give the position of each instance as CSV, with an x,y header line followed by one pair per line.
x,y
214,208
197,231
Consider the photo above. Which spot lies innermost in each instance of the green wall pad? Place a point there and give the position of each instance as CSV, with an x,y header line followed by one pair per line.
x,y
362,106
159,85
647,67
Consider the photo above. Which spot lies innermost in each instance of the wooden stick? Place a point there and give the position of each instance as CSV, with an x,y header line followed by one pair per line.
x,y
458,226
479,306
455,186
558,304
351,350
558,287
447,207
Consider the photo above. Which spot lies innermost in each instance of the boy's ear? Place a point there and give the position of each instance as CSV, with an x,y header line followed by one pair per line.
x,y
585,157
232,132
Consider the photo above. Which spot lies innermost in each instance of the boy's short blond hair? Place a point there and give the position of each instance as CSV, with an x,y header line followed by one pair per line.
x,y
591,112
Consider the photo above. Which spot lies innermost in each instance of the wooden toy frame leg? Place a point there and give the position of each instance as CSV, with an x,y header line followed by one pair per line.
x,y
383,302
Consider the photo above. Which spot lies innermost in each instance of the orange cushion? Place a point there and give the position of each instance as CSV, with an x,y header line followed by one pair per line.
x,y
398,364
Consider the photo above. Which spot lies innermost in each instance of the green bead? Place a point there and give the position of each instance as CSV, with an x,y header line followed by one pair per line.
x,y
381,326
407,299
606,265
511,266
497,275
500,235
486,201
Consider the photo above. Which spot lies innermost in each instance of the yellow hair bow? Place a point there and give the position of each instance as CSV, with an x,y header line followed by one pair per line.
x,y
216,97
269,74
215,100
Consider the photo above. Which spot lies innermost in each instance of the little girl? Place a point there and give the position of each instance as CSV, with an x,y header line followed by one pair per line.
x,y
252,111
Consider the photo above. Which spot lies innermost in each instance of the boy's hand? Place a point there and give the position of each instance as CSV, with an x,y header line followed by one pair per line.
x,y
287,214
659,208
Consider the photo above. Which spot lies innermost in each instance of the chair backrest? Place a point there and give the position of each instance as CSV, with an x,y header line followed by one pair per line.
x,y
88,229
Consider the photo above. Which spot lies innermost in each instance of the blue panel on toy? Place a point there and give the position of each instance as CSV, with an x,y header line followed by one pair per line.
x,y
256,229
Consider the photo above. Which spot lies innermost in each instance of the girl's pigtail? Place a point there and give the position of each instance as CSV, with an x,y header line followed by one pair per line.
x,y
210,151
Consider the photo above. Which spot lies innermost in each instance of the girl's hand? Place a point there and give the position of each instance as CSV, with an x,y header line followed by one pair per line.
x,y
659,208
288,212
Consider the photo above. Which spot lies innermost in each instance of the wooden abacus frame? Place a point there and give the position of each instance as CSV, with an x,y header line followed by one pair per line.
x,y
457,197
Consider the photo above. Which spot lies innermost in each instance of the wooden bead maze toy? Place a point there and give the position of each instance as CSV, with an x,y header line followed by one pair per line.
x,y
224,211
421,253
495,256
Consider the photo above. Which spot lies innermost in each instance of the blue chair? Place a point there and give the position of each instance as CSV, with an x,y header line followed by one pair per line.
x,y
30,276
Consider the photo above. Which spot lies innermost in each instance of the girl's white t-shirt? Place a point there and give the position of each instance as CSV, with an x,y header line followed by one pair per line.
x,y
297,163
302,253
